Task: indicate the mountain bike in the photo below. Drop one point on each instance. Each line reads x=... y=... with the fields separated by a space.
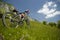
x=14 y=19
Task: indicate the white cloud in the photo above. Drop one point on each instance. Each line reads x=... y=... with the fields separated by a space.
x=49 y=12
x=53 y=14
x=54 y=5
x=50 y=3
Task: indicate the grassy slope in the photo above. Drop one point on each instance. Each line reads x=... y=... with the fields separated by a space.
x=38 y=31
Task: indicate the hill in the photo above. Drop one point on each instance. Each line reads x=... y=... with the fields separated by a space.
x=37 y=31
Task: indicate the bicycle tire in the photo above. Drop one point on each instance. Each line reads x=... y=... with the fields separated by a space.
x=4 y=21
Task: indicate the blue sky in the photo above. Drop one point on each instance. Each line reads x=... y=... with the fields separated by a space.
x=48 y=10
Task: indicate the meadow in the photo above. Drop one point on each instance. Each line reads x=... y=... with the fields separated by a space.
x=36 y=31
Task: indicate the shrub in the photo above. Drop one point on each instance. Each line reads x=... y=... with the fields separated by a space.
x=44 y=22
x=52 y=24
x=58 y=24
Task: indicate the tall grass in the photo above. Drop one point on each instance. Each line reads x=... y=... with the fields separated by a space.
x=36 y=31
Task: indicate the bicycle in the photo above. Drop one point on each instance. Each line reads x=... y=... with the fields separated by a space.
x=14 y=19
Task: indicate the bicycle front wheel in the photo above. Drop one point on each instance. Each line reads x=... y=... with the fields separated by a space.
x=7 y=20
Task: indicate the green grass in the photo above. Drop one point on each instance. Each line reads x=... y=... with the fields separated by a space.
x=37 y=31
